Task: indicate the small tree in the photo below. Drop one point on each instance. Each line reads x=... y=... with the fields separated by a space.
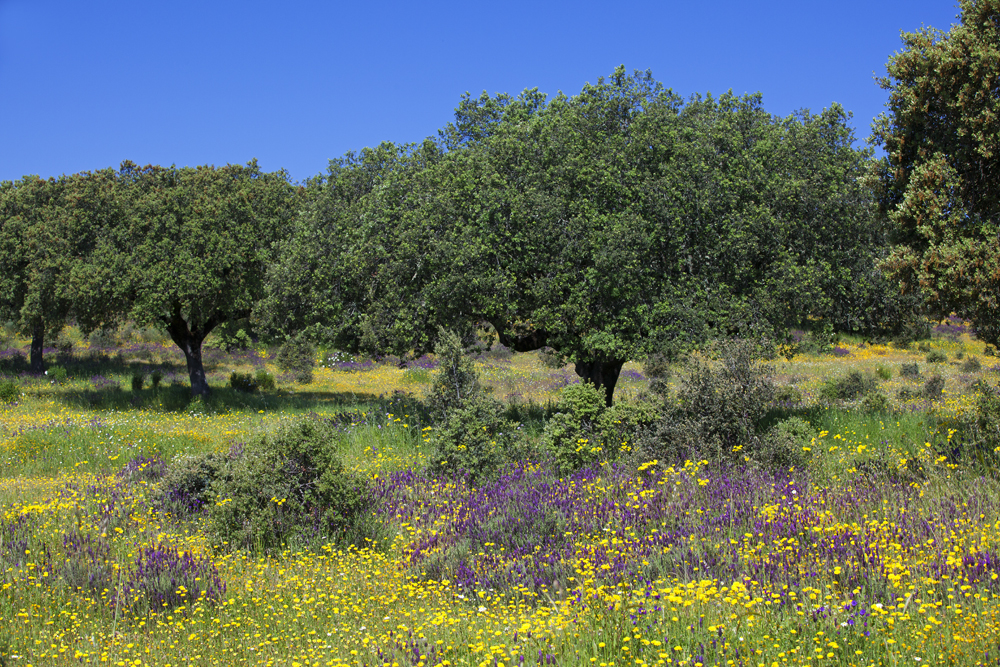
x=456 y=382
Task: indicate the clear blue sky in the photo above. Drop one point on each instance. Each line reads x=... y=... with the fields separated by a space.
x=85 y=85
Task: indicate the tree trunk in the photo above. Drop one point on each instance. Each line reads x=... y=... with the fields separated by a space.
x=190 y=343
x=602 y=374
x=37 y=341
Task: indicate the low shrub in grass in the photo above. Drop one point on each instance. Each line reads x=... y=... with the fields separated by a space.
x=656 y=366
x=10 y=392
x=909 y=371
x=883 y=372
x=876 y=403
x=788 y=395
x=288 y=489
x=456 y=382
x=249 y=383
x=155 y=378
x=783 y=446
x=971 y=365
x=551 y=359
x=989 y=351
x=187 y=484
x=585 y=431
x=138 y=381
x=715 y=412
x=57 y=374
x=936 y=357
x=297 y=357
x=848 y=387
x=265 y=381
x=934 y=387
x=477 y=440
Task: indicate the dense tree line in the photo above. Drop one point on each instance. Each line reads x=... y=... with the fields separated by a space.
x=610 y=225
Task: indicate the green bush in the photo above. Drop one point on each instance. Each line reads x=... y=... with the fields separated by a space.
x=936 y=357
x=585 y=431
x=289 y=488
x=989 y=351
x=716 y=411
x=788 y=394
x=551 y=358
x=848 y=387
x=298 y=357
x=456 y=382
x=656 y=366
x=264 y=380
x=476 y=439
x=907 y=394
x=10 y=392
x=971 y=365
x=243 y=382
x=934 y=387
x=187 y=485
x=138 y=381
x=910 y=371
x=923 y=346
x=876 y=403
x=102 y=338
x=57 y=374
x=155 y=378
x=883 y=372
x=782 y=446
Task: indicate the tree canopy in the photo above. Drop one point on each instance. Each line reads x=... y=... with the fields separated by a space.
x=938 y=179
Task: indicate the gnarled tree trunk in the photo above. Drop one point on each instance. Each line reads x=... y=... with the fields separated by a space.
x=190 y=341
x=602 y=374
x=37 y=343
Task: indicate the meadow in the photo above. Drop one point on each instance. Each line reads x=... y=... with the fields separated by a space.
x=883 y=549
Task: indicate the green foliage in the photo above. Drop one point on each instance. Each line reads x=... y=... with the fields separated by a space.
x=848 y=387
x=264 y=380
x=989 y=351
x=297 y=356
x=551 y=358
x=716 y=412
x=572 y=436
x=10 y=391
x=476 y=439
x=883 y=372
x=876 y=402
x=971 y=365
x=788 y=394
x=456 y=381
x=244 y=382
x=186 y=486
x=155 y=378
x=656 y=366
x=416 y=376
x=289 y=487
x=936 y=357
x=138 y=381
x=909 y=371
x=57 y=374
x=936 y=184
x=781 y=448
x=934 y=387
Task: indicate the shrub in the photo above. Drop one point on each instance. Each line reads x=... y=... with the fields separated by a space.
x=923 y=346
x=960 y=355
x=934 y=387
x=782 y=447
x=64 y=345
x=155 y=378
x=876 y=403
x=186 y=486
x=477 y=440
x=907 y=394
x=298 y=357
x=243 y=382
x=989 y=351
x=883 y=372
x=138 y=380
x=264 y=380
x=788 y=395
x=936 y=357
x=971 y=365
x=848 y=387
x=551 y=359
x=10 y=392
x=656 y=366
x=57 y=374
x=456 y=382
x=910 y=371
x=102 y=339
x=585 y=431
x=716 y=411
x=289 y=488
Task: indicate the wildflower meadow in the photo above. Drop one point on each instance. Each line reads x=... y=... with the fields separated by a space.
x=125 y=537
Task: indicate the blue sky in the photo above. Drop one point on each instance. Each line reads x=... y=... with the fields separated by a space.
x=85 y=85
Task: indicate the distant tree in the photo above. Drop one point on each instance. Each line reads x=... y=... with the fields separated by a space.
x=194 y=249
x=48 y=230
x=940 y=174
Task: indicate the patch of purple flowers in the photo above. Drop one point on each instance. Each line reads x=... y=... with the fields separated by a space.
x=164 y=579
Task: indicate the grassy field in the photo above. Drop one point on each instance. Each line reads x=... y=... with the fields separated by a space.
x=883 y=550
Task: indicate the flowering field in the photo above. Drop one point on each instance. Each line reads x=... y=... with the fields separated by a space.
x=882 y=550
